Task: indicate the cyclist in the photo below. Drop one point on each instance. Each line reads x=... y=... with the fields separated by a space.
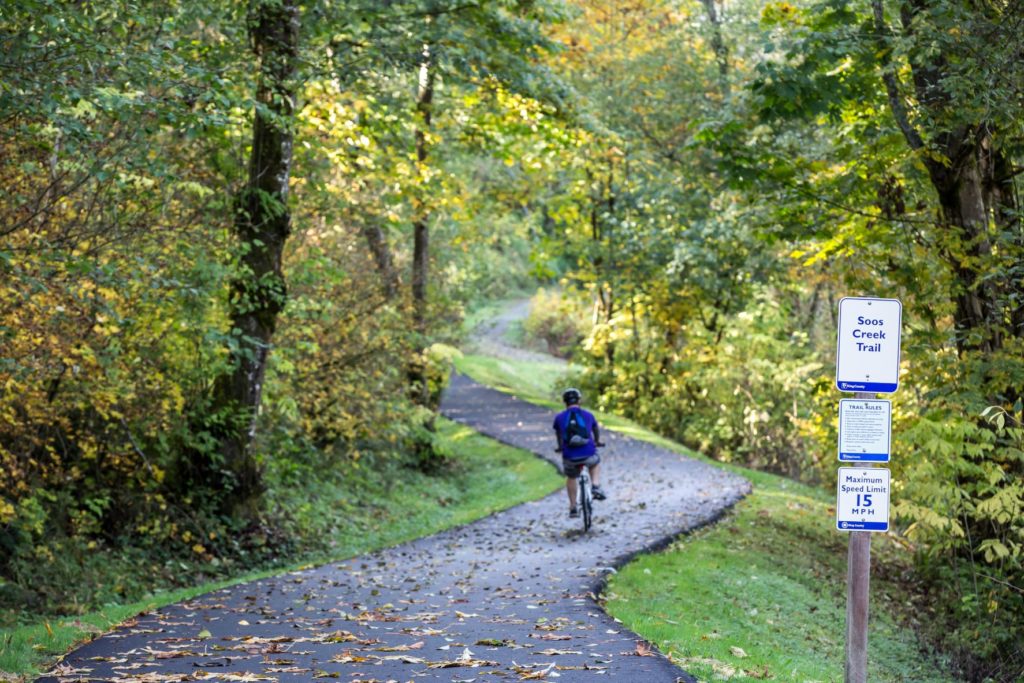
x=578 y=438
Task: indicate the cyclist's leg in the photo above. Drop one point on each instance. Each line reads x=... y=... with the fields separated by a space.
x=595 y=478
x=571 y=470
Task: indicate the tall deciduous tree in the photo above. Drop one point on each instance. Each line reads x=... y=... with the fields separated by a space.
x=469 y=45
x=964 y=150
x=262 y=225
x=419 y=386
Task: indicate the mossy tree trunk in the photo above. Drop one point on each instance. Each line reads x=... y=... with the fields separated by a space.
x=262 y=225
x=419 y=384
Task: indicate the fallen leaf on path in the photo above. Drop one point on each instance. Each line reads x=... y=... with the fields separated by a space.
x=401 y=648
x=526 y=673
x=405 y=659
x=349 y=658
x=494 y=642
x=465 y=659
x=168 y=654
x=66 y=670
x=422 y=631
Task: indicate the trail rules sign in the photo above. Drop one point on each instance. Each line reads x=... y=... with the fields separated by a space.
x=865 y=430
x=862 y=499
x=868 y=353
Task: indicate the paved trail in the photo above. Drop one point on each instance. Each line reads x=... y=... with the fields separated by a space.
x=491 y=337
x=507 y=598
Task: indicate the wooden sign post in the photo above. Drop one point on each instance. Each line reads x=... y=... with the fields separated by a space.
x=858 y=581
x=867 y=362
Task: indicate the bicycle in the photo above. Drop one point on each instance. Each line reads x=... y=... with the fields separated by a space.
x=585 y=494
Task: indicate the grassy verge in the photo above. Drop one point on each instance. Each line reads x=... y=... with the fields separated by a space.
x=761 y=594
x=377 y=512
x=531 y=381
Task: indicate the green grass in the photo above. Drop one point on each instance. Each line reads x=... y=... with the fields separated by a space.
x=769 y=579
x=533 y=382
x=483 y=476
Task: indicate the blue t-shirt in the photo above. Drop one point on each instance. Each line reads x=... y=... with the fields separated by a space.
x=581 y=452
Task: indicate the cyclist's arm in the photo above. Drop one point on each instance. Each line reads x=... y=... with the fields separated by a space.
x=597 y=435
x=558 y=437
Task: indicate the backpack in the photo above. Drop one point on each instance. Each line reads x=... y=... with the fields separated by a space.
x=576 y=433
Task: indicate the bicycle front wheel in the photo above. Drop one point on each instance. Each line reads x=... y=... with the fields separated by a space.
x=586 y=505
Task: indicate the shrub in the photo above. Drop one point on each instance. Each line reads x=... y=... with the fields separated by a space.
x=555 y=325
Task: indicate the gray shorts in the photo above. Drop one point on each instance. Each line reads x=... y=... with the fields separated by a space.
x=572 y=467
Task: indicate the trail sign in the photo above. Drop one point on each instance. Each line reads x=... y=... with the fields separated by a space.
x=868 y=352
x=862 y=499
x=865 y=430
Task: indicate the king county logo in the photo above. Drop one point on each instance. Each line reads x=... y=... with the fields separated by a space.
x=843 y=524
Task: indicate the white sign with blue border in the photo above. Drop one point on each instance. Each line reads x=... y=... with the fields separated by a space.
x=862 y=499
x=868 y=352
x=865 y=430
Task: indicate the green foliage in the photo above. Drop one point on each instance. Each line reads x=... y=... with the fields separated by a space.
x=556 y=324
x=745 y=395
x=122 y=144
x=737 y=192
x=704 y=185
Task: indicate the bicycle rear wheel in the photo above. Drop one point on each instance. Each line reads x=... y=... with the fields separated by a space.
x=586 y=502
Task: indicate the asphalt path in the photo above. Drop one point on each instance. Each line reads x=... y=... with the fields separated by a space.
x=491 y=337
x=510 y=597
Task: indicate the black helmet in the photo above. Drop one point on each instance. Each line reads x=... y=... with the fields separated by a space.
x=571 y=396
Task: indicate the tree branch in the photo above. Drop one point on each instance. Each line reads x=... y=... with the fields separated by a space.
x=896 y=103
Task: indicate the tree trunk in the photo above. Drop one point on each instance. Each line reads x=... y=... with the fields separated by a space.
x=1002 y=192
x=961 y=193
x=969 y=192
x=418 y=382
x=262 y=225
x=378 y=244
x=718 y=44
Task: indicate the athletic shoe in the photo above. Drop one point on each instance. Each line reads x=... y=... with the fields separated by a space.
x=574 y=512
x=598 y=493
